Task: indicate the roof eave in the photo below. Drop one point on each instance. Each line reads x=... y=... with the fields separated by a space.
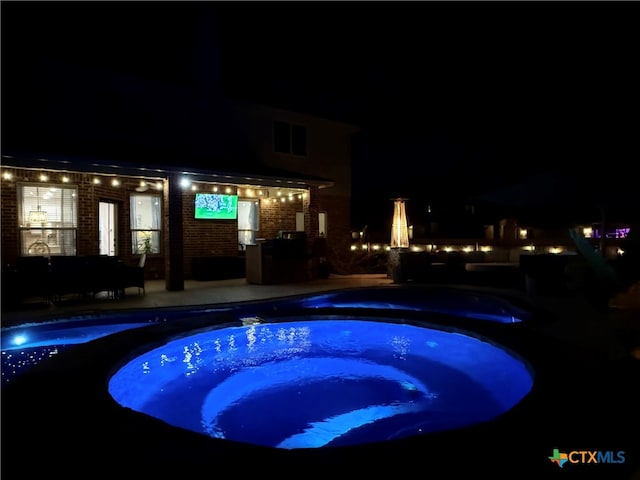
x=106 y=167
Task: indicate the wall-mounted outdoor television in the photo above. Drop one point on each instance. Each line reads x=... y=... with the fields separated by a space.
x=216 y=206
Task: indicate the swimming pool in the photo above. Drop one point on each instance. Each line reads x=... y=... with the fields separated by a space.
x=505 y=417
x=25 y=346
x=323 y=382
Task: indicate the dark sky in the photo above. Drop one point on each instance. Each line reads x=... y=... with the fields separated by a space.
x=488 y=92
x=534 y=71
x=534 y=84
x=556 y=70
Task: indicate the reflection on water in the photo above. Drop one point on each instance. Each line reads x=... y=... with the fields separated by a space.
x=322 y=382
x=25 y=346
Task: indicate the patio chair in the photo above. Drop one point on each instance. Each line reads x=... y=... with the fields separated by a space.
x=133 y=276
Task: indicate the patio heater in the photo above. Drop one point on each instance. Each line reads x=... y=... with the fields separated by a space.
x=399 y=242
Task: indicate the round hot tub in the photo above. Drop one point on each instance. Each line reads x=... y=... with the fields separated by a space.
x=313 y=383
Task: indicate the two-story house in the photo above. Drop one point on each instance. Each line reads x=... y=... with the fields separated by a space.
x=100 y=161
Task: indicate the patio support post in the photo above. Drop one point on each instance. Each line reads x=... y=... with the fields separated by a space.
x=174 y=257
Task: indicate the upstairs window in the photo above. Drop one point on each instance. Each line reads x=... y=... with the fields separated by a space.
x=290 y=139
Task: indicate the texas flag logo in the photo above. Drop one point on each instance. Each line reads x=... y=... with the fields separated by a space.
x=559 y=458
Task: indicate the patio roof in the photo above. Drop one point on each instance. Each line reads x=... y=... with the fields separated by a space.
x=254 y=174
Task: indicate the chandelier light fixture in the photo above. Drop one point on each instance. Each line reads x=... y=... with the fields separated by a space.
x=38 y=216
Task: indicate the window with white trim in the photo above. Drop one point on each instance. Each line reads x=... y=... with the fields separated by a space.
x=248 y=222
x=47 y=219
x=146 y=223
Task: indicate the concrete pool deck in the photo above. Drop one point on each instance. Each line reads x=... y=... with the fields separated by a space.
x=581 y=406
x=195 y=293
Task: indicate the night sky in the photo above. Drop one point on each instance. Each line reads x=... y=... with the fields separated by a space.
x=487 y=91
x=461 y=97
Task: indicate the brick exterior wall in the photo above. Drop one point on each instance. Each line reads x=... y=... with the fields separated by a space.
x=9 y=224
x=205 y=238
x=201 y=238
x=277 y=215
x=329 y=157
x=89 y=197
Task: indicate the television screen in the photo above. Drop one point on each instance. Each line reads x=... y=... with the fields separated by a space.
x=216 y=206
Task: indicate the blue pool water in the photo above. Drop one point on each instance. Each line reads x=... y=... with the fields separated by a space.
x=472 y=305
x=323 y=382
x=25 y=346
